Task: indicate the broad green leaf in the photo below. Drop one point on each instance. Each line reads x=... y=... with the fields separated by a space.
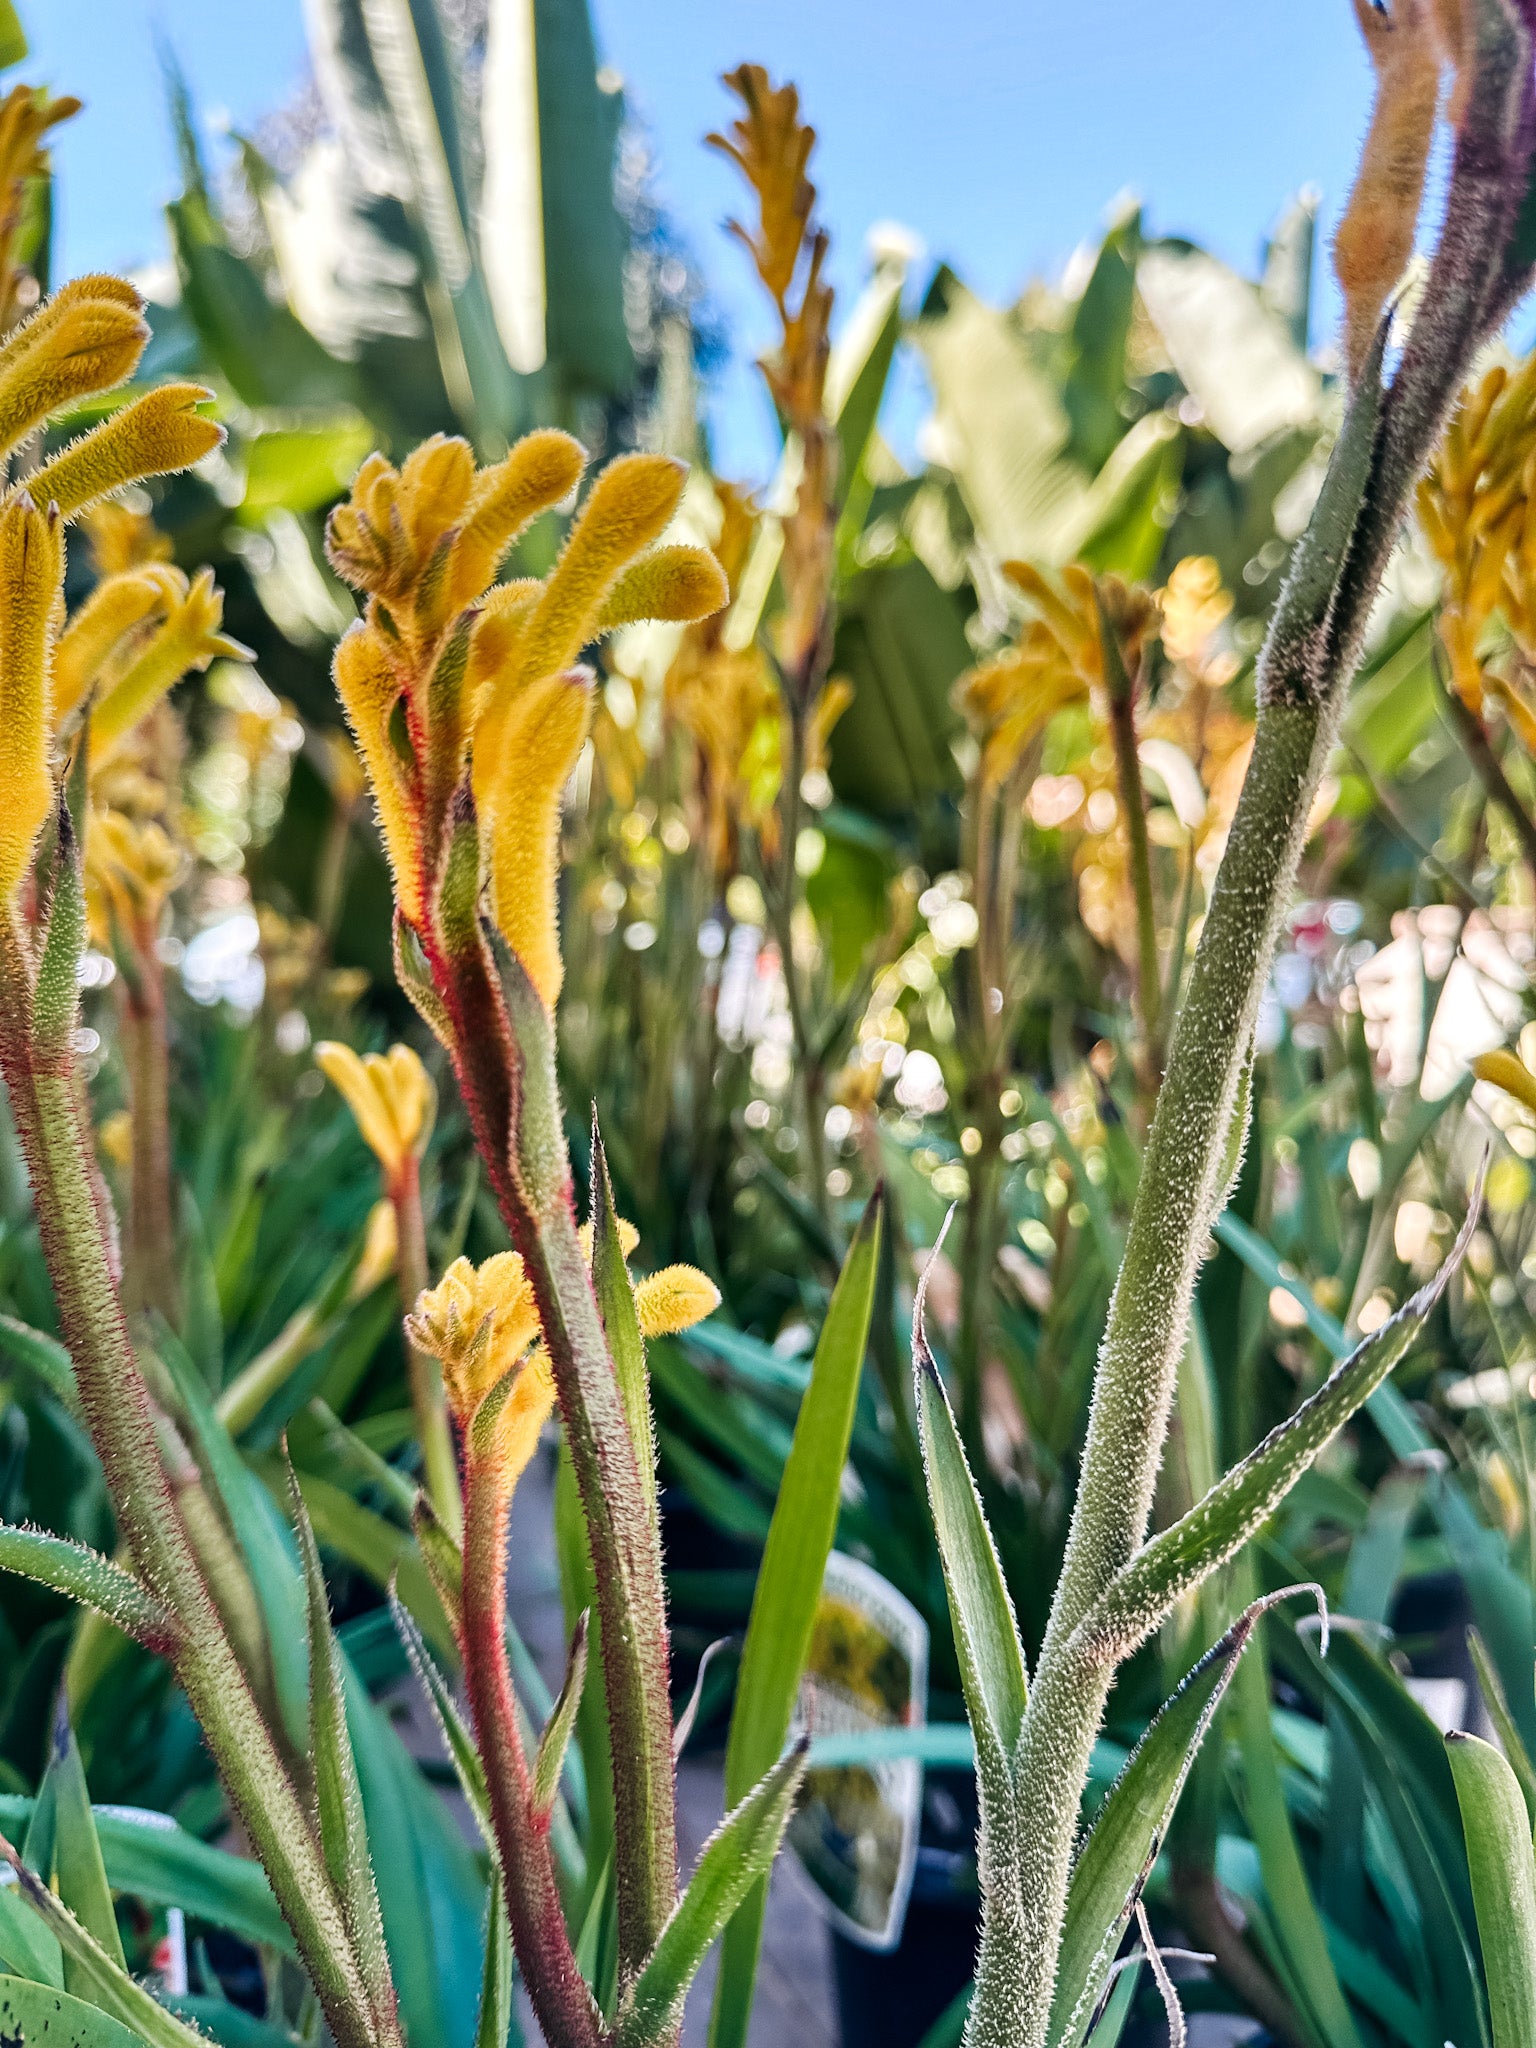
x=1216 y=1528
x=789 y=1585
x=13 y=37
x=1128 y=1833
x=338 y=1797
x=36 y=2016
x=737 y=1855
x=93 y=1970
x=302 y=468
x=1503 y=1866
x=85 y=1575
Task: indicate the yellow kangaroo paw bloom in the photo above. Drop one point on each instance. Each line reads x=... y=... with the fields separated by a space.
x=541 y=470
x=674 y=1299
x=626 y=510
x=189 y=639
x=31 y=569
x=435 y=482
x=532 y=739
x=114 y=608
x=93 y=345
x=369 y=688
x=156 y=434
x=389 y=1094
x=679 y=584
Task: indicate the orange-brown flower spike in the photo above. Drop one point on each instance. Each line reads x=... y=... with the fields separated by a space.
x=31 y=571
x=1375 y=238
x=155 y=435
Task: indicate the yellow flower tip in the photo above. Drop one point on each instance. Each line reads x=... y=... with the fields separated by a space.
x=674 y=1299
x=390 y=1096
x=544 y=468
x=31 y=572
x=77 y=345
x=1504 y=1070
x=525 y=751
x=435 y=483
x=678 y=584
x=478 y=1322
x=157 y=434
x=135 y=863
x=114 y=1139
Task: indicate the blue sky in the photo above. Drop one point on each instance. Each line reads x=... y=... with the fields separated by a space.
x=997 y=130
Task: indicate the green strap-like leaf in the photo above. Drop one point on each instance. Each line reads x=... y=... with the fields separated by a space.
x=736 y=1856
x=991 y=1655
x=1125 y=1839
x=495 y=2021
x=42 y=1356
x=95 y=1581
x=621 y=1317
x=338 y=1796
x=1491 y=1686
x=108 y=1983
x=1214 y=1530
x=550 y=1761
x=1503 y=1867
x=789 y=1584
x=457 y=1740
x=79 y=1875
x=37 y=2016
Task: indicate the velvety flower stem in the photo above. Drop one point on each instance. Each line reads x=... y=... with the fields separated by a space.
x=150 y=1275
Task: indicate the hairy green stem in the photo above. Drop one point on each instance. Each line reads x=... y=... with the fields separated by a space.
x=1133 y=801
x=117 y=1407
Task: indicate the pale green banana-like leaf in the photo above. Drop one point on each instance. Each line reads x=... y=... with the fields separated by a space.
x=1503 y=1867
x=93 y=1970
x=550 y=1760
x=789 y=1584
x=1232 y=352
x=736 y=1856
x=1127 y=1835
x=36 y=2016
x=1213 y=1531
x=85 y=1575
x=338 y=1796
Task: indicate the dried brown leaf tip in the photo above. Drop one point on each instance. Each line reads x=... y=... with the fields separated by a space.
x=1414 y=45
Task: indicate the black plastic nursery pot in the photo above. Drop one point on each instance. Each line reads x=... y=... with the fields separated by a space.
x=891 y=1999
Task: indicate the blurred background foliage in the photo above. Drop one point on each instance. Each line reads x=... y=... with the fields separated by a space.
x=893 y=913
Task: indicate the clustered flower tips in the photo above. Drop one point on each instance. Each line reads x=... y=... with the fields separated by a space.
x=455 y=689
x=27 y=117
x=1475 y=505
x=1412 y=44
x=482 y=1325
x=132 y=865
x=390 y=1095
x=141 y=631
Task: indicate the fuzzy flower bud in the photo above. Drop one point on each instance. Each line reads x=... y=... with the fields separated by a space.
x=390 y=1095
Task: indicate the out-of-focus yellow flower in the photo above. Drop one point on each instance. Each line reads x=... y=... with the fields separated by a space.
x=381 y=1250
x=1194 y=605
x=122 y=536
x=115 y=1138
x=391 y=1096
x=1506 y=1070
x=132 y=867
x=440 y=676
x=27 y=117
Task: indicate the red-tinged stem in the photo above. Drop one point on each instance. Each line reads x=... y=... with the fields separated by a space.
x=119 y=1413
x=434 y=1432
x=562 y=2003
x=508 y=1090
